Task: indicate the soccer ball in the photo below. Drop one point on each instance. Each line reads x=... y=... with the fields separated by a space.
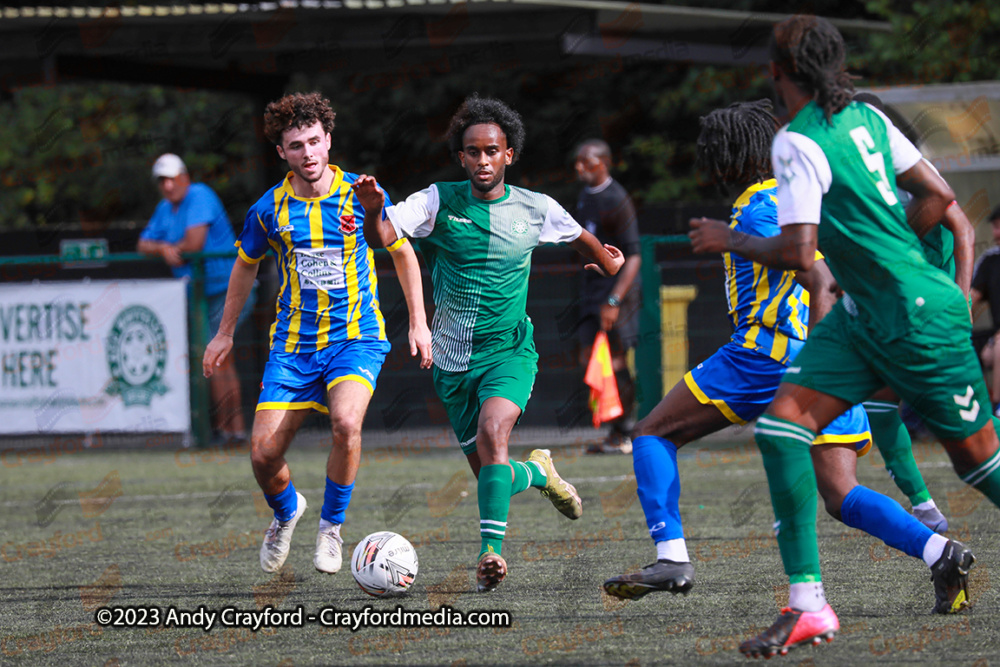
x=384 y=564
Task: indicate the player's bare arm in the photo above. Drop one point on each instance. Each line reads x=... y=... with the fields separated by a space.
x=931 y=196
x=822 y=288
x=961 y=228
x=240 y=284
x=408 y=271
x=606 y=260
x=793 y=250
x=377 y=229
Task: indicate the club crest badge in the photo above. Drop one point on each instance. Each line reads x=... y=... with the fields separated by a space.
x=137 y=356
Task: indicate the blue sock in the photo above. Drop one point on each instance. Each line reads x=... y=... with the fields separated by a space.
x=336 y=498
x=884 y=518
x=655 y=462
x=284 y=503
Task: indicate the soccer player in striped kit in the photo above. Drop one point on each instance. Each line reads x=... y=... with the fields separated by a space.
x=328 y=341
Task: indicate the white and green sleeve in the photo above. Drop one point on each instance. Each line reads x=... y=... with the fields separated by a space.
x=803 y=175
x=414 y=217
x=559 y=226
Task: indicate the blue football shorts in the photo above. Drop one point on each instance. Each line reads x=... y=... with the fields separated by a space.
x=302 y=380
x=741 y=383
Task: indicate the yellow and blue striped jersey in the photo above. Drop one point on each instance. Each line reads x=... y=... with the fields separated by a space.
x=769 y=310
x=329 y=291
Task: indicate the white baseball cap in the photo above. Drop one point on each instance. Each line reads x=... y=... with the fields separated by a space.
x=168 y=165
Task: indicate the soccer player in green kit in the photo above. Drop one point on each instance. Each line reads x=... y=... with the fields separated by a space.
x=902 y=322
x=948 y=246
x=477 y=237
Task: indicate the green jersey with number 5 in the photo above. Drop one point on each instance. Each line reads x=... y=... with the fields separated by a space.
x=842 y=177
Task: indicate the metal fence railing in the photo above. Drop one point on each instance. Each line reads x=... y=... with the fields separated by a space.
x=683 y=320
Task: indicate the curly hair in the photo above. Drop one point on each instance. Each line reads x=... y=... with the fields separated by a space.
x=477 y=110
x=734 y=146
x=297 y=111
x=812 y=54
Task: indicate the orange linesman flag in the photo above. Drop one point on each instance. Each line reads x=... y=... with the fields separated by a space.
x=604 y=400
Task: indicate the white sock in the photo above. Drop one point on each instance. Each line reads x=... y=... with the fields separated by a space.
x=675 y=550
x=807 y=596
x=325 y=525
x=926 y=505
x=934 y=548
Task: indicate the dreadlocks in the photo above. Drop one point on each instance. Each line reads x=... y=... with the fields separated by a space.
x=477 y=110
x=734 y=146
x=811 y=53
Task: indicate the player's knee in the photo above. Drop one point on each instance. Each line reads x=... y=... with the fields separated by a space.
x=261 y=457
x=493 y=431
x=345 y=426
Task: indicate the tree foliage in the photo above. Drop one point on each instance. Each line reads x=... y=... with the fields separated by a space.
x=79 y=152
x=76 y=152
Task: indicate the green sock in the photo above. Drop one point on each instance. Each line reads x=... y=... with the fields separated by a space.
x=494 y=502
x=527 y=474
x=784 y=446
x=893 y=441
x=986 y=477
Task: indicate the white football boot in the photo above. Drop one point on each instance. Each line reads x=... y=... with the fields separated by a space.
x=278 y=538
x=329 y=550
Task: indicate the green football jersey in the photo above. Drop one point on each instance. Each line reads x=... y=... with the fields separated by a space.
x=939 y=249
x=479 y=255
x=842 y=176
x=939 y=243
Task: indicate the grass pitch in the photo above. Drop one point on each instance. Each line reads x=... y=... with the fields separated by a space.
x=183 y=528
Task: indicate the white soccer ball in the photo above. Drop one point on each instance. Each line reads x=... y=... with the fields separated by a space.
x=384 y=564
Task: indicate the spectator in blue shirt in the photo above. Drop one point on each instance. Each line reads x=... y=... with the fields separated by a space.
x=191 y=218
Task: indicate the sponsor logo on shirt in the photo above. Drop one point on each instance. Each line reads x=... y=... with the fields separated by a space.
x=285 y=228
x=348 y=224
x=320 y=269
x=367 y=373
x=457 y=219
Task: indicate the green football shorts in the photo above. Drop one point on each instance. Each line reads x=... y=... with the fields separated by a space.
x=935 y=370
x=510 y=376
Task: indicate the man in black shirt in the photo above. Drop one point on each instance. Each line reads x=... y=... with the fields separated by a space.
x=986 y=287
x=609 y=303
